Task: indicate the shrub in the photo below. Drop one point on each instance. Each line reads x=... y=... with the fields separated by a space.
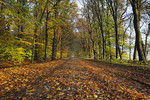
x=16 y=54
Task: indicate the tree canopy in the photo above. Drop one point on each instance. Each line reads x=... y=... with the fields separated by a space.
x=53 y=29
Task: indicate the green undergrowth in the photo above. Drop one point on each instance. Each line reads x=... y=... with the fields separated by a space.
x=125 y=63
x=130 y=63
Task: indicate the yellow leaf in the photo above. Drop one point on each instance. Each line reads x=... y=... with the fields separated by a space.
x=11 y=86
x=2 y=2
x=95 y=96
x=5 y=82
x=49 y=96
x=58 y=88
x=57 y=83
x=24 y=98
x=69 y=88
x=7 y=88
x=26 y=80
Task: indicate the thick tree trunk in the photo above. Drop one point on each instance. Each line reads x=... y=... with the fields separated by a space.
x=120 y=54
x=136 y=22
x=144 y=50
x=135 y=52
x=117 y=41
x=93 y=44
x=54 y=46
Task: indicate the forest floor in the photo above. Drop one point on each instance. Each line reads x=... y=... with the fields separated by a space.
x=74 y=79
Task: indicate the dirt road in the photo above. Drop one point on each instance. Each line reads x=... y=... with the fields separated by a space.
x=74 y=79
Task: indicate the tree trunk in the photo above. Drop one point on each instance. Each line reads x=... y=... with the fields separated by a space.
x=36 y=49
x=46 y=37
x=120 y=54
x=116 y=30
x=135 y=52
x=130 y=45
x=53 y=45
x=109 y=42
x=89 y=49
x=61 y=48
x=33 y=44
x=99 y=45
x=103 y=39
x=144 y=50
x=136 y=22
x=148 y=32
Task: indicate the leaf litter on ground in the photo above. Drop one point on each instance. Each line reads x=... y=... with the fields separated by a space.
x=74 y=79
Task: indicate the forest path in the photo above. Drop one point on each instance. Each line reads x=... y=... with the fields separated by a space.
x=74 y=78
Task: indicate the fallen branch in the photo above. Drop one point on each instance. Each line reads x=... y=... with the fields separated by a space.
x=141 y=82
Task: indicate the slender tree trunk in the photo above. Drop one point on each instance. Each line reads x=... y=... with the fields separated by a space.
x=89 y=49
x=148 y=32
x=36 y=27
x=113 y=5
x=130 y=45
x=103 y=38
x=2 y=18
x=61 y=49
x=33 y=44
x=99 y=45
x=109 y=42
x=46 y=37
x=36 y=49
x=116 y=30
x=99 y=13
x=53 y=45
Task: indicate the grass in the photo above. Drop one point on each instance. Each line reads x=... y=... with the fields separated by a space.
x=125 y=63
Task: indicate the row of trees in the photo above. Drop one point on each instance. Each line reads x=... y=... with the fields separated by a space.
x=43 y=29
x=106 y=29
x=36 y=29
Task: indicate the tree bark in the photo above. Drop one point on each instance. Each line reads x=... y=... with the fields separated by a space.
x=130 y=44
x=53 y=45
x=113 y=6
x=33 y=44
x=135 y=52
x=46 y=37
x=148 y=32
x=136 y=21
x=61 y=48
x=89 y=49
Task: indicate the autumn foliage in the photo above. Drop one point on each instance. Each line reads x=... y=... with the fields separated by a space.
x=74 y=79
